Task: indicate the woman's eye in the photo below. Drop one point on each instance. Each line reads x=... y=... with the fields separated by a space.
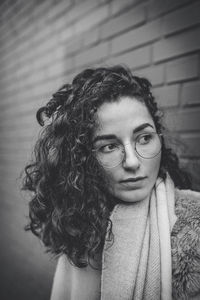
x=145 y=139
x=108 y=148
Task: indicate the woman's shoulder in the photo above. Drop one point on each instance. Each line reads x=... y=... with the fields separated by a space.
x=71 y=282
x=187 y=227
x=186 y=245
x=62 y=279
x=187 y=203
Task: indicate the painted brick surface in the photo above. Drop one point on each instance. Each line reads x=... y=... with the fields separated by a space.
x=92 y=55
x=137 y=37
x=190 y=94
x=181 y=19
x=155 y=74
x=91 y=37
x=167 y=96
x=118 y=6
x=78 y=11
x=184 y=43
x=134 y=59
x=157 y=7
x=44 y=44
x=191 y=145
x=183 y=120
x=92 y=19
x=182 y=69
x=123 y=22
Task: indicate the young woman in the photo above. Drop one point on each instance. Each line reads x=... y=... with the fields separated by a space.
x=109 y=197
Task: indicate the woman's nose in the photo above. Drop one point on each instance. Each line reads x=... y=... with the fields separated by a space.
x=131 y=160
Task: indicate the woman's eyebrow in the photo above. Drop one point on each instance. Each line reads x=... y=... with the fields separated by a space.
x=104 y=137
x=113 y=136
x=142 y=126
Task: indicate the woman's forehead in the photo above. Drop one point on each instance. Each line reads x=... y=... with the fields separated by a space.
x=125 y=114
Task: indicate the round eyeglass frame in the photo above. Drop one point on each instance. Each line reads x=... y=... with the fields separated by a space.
x=123 y=156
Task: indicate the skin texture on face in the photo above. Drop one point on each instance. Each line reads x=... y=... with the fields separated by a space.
x=123 y=120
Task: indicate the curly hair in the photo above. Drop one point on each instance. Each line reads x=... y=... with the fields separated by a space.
x=70 y=205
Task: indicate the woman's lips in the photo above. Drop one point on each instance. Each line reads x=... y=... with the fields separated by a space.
x=132 y=179
x=132 y=182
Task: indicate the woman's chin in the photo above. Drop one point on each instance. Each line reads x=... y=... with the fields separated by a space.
x=132 y=196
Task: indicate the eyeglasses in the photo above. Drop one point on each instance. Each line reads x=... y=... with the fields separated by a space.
x=147 y=145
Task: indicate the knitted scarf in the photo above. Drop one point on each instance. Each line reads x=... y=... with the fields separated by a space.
x=137 y=266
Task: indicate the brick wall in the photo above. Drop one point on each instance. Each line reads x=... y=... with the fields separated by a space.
x=44 y=44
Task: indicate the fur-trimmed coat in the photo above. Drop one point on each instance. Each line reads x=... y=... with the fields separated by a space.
x=185 y=242
x=71 y=283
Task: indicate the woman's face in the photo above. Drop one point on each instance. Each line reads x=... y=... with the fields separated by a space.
x=123 y=123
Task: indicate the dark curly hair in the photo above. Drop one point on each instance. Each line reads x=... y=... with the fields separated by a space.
x=71 y=205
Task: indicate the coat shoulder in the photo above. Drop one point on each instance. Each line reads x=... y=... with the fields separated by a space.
x=186 y=245
x=187 y=202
